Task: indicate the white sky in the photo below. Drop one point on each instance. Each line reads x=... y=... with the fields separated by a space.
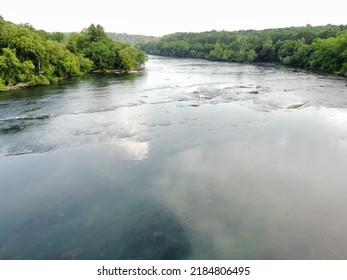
x=153 y=17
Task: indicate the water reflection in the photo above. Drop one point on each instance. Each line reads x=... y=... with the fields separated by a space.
x=263 y=198
x=129 y=169
x=104 y=80
x=158 y=235
x=134 y=149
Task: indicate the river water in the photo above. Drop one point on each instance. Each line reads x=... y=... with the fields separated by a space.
x=189 y=159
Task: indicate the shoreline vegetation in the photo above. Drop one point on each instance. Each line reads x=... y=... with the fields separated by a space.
x=30 y=57
x=118 y=71
x=108 y=71
x=318 y=48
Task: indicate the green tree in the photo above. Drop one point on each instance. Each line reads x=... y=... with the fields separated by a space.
x=10 y=66
x=101 y=55
x=330 y=54
x=251 y=56
x=27 y=56
x=12 y=71
x=106 y=54
x=297 y=46
x=96 y=33
x=217 y=53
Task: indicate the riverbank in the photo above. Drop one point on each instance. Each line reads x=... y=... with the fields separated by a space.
x=19 y=86
x=4 y=88
x=118 y=72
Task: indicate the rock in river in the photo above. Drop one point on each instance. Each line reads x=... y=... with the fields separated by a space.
x=296 y=105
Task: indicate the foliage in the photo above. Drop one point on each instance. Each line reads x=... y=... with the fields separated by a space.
x=321 y=47
x=36 y=57
x=330 y=54
x=130 y=39
x=94 y=44
x=28 y=57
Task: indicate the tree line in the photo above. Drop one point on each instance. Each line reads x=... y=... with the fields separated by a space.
x=131 y=39
x=320 y=47
x=35 y=57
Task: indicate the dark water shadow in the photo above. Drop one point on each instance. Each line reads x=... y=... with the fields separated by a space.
x=155 y=235
x=104 y=80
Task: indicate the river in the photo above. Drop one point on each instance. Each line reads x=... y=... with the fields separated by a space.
x=189 y=159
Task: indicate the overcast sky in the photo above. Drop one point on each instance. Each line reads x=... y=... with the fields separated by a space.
x=153 y=17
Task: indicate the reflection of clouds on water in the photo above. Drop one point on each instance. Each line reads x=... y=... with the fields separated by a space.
x=134 y=149
x=338 y=120
x=261 y=197
x=220 y=204
x=130 y=132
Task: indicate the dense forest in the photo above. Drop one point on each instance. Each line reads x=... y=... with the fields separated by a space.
x=320 y=47
x=130 y=39
x=36 y=57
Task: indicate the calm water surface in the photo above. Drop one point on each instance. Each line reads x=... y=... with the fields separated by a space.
x=188 y=160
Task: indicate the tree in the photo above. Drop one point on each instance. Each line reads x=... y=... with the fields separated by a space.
x=64 y=63
x=217 y=53
x=287 y=50
x=27 y=56
x=296 y=46
x=106 y=54
x=251 y=56
x=330 y=54
x=9 y=66
x=96 y=33
x=12 y=71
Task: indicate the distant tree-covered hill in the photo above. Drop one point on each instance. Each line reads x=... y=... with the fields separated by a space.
x=36 y=57
x=130 y=38
x=320 y=47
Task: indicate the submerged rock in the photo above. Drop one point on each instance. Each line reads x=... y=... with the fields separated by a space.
x=154 y=236
x=197 y=91
x=296 y=105
x=231 y=86
x=201 y=96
